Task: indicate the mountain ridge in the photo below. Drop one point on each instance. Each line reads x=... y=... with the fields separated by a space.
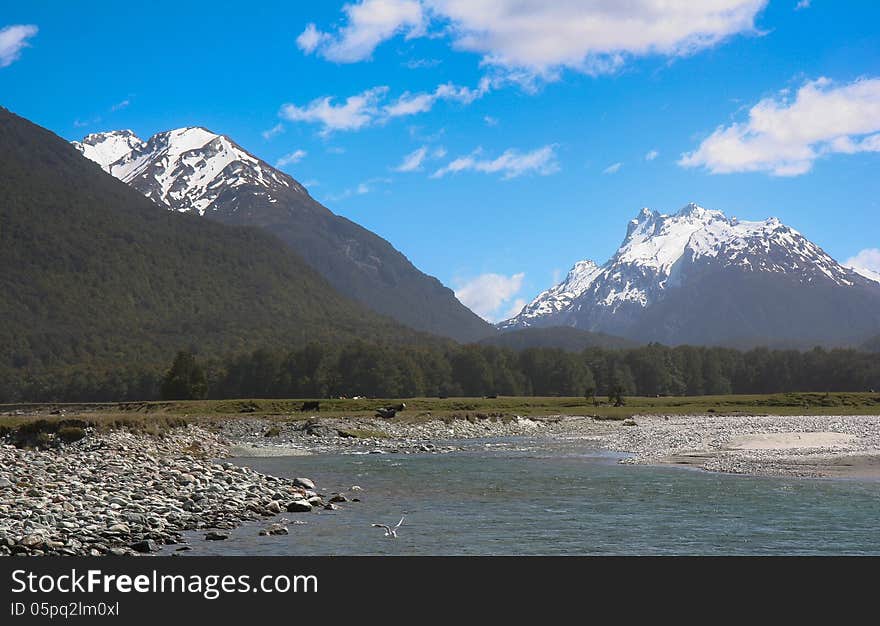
x=195 y=170
x=96 y=274
x=647 y=290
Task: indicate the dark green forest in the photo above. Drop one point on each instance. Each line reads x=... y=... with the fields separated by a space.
x=93 y=273
x=399 y=371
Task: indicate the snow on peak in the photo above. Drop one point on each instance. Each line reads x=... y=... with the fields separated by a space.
x=658 y=240
x=107 y=148
x=658 y=245
x=560 y=297
x=184 y=169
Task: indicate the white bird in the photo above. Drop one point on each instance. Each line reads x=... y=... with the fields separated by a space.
x=391 y=532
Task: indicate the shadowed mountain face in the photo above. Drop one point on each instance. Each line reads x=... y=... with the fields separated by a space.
x=702 y=278
x=196 y=171
x=94 y=273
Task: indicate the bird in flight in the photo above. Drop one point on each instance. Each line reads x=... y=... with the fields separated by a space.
x=391 y=532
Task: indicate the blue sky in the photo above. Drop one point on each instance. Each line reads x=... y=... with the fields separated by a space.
x=494 y=143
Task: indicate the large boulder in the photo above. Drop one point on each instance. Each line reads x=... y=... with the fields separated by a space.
x=298 y=506
x=305 y=483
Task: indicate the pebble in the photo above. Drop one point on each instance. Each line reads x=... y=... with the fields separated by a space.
x=120 y=493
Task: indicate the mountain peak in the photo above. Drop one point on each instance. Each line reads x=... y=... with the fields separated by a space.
x=662 y=251
x=196 y=170
x=692 y=208
x=187 y=168
x=108 y=147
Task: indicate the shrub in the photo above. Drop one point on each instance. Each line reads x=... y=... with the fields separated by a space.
x=69 y=434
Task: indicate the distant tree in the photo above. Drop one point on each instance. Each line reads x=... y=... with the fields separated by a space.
x=590 y=395
x=616 y=396
x=185 y=380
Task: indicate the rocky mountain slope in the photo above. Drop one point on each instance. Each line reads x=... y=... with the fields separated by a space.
x=697 y=276
x=194 y=170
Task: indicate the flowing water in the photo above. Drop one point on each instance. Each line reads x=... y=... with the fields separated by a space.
x=556 y=497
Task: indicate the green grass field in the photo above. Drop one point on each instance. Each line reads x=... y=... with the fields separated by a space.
x=164 y=414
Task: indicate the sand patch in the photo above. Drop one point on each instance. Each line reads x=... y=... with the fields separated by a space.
x=790 y=441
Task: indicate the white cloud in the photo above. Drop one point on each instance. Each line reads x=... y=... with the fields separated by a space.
x=785 y=137
x=490 y=121
x=289 y=159
x=120 y=105
x=369 y=107
x=530 y=38
x=652 y=154
x=272 y=132
x=613 y=168
x=411 y=104
x=866 y=263
x=515 y=308
x=309 y=40
x=802 y=4
x=12 y=40
x=361 y=189
x=357 y=111
x=487 y=294
x=511 y=163
x=370 y=22
x=418 y=64
x=413 y=161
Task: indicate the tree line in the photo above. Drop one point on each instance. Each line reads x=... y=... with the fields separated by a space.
x=378 y=370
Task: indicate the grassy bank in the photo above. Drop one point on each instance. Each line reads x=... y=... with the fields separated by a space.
x=161 y=415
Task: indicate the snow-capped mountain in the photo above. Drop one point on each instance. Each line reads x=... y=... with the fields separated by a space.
x=186 y=169
x=666 y=259
x=198 y=171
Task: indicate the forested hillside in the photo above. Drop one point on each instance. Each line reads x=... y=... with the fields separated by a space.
x=96 y=279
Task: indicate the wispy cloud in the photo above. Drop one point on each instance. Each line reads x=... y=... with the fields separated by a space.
x=12 y=40
x=372 y=107
x=652 y=154
x=785 y=136
x=410 y=104
x=490 y=121
x=413 y=161
x=363 y=188
x=802 y=4
x=613 y=168
x=272 y=132
x=512 y=163
x=291 y=158
x=418 y=64
x=120 y=105
x=487 y=294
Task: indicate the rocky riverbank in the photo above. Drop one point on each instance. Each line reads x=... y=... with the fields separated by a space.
x=814 y=446
x=264 y=437
x=802 y=446
x=120 y=493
